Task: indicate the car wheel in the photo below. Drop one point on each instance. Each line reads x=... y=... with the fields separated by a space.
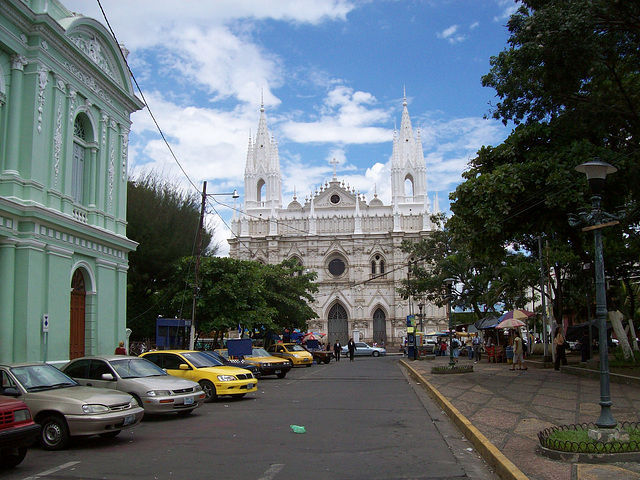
x=55 y=433
x=290 y=363
x=281 y=374
x=326 y=361
x=375 y=353
x=209 y=390
x=11 y=460
x=111 y=434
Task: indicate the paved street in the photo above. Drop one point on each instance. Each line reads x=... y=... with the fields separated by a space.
x=510 y=407
x=363 y=420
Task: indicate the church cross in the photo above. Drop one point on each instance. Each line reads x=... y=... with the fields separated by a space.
x=334 y=162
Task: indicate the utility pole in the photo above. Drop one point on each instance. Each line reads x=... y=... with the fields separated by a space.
x=196 y=287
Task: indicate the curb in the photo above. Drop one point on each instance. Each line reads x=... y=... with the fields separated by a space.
x=503 y=467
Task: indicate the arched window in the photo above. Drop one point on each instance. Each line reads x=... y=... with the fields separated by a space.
x=260 y=192
x=77 y=169
x=377 y=267
x=408 y=187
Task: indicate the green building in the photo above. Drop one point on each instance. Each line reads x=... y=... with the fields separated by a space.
x=65 y=104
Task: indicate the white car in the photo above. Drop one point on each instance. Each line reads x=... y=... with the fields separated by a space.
x=363 y=349
x=154 y=389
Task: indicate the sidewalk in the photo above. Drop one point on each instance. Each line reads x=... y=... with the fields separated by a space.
x=509 y=408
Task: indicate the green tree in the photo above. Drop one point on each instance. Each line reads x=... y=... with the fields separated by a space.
x=569 y=81
x=233 y=293
x=164 y=220
x=482 y=282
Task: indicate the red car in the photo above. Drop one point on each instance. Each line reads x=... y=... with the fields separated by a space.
x=17 y=431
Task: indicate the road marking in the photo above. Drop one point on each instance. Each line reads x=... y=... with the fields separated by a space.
x=272 y=471
x=52 y=470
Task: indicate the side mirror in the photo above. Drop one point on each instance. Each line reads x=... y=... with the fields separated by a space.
x=184 y=366
x=108 y=377
x=11 y=392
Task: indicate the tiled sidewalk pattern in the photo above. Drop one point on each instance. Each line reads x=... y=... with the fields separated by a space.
x=511 y=407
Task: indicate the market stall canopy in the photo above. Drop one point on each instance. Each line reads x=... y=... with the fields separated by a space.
x=511 y=323
x=486 y=323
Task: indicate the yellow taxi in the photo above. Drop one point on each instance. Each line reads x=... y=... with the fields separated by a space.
x=293 y=352
x=267 y=363
x=214 y=377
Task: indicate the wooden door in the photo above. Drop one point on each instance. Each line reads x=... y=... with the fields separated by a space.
x=77 y=327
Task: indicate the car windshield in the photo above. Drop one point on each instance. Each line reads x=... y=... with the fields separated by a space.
x=136 y=368
x=215 y=355
x=259 y=352
x=295 y=348
x=202 y=360
x=35 y=378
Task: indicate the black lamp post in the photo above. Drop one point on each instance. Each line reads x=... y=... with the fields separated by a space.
x=449 y=283
x=597 y=171
x=420 y=307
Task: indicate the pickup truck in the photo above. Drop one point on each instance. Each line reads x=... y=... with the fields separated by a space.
x=320 y=355
x=17 y=431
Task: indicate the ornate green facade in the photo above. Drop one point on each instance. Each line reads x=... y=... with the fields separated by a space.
x=65 y=104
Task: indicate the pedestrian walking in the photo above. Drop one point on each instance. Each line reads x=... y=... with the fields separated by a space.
x=476 y=344
x=518 y=353
x=352 y=349
x=443 y=348
x=469 y=344
x=337 y=350
x=559 y=343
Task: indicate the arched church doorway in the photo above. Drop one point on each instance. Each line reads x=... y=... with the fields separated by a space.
x=338 y=325
x=379 y=326
x=77 y=321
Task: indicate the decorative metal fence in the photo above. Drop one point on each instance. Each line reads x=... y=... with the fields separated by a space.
x=592 y=446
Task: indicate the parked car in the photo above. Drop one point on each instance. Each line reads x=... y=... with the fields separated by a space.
x=235 y=363
x=17 y=431
x=215 y=378
x=363 y=349
x=294 y=353
x=64 y=408
x=154 y=389
x=267 y=363
x=430 y=346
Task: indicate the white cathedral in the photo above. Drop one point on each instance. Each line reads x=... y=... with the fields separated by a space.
x=354 y=246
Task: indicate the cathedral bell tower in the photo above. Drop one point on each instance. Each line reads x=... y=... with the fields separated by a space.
x=262 y=180
x=408 y=169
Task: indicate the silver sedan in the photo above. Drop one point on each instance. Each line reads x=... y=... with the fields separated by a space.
x=154 y=389
x=363 y=349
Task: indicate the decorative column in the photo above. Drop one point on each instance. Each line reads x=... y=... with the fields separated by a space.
x=59 y=150
x=18 y=62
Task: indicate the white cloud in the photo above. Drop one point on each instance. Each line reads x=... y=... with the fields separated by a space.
x=451 y=34
x=345 y=117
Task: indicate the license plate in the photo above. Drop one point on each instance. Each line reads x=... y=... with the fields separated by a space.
x=188 y=401
x=249 y=385
x=277 y=371
x=129 y=419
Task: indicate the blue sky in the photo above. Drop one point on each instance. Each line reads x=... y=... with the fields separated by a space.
x=331 y=74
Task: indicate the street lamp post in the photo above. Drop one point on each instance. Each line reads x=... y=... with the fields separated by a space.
x=597 y=171
x=420 y=307
x=449 y=283
x=196 y=286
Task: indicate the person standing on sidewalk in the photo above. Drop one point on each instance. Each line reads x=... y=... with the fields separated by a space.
x=476 y=343
x=518 y=353
x=337 y=349
x=352 y=349
x=558 y=342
